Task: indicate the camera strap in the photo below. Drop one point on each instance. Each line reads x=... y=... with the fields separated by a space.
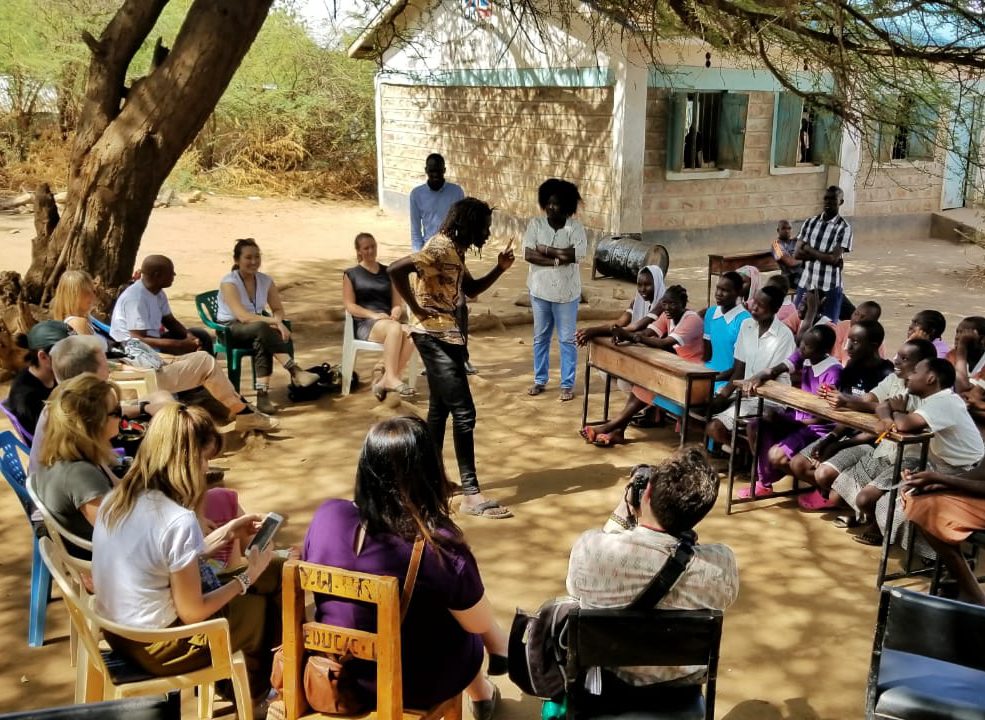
x=672 y=570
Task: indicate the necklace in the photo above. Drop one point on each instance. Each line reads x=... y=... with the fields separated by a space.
x=253 y=298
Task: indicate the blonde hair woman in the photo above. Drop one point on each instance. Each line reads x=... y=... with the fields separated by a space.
x=76 y=455
x=376 y=312
x=75 y=297
x=146 y=549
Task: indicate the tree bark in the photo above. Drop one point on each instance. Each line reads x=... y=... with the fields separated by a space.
x=128 y=140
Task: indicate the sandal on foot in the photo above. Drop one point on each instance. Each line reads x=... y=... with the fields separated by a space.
x=608 y=440
x=567 y=394
x=379 y=392
x=645 y=420
x=405 y=390
x=589 y=433
x=815 y=502
x=536 y=389
x=869 y=537
x=761 y=491
x=846 y=521
x=481 y=509
x=484 y=709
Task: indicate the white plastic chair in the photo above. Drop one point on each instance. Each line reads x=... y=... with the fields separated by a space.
x=140 y=381
x=351 y=346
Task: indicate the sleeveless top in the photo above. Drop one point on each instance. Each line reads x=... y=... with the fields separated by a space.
x=253 y=303
x=373 y=290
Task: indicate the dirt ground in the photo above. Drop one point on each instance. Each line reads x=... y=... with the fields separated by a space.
x=797 y=641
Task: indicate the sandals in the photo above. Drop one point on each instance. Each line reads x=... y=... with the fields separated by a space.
x=405 y=390
x=871 y=537
x=608 y=440
x=762 y=491
x=536 y=389
x=379 y=391
x=481 y=509
x=815 y=502
x=589 y=433
x=567 y=394
x=484 y=709
x=846 y=521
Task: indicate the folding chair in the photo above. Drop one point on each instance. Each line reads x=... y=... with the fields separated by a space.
x=351 y=346
x=381 y=647
x=110 y=676
x=27 y=437
x=13 y=470
x=623 y=638
x=927 y=659
x=207 y=304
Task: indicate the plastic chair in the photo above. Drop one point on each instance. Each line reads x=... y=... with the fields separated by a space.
x=351 y=346
x=13 y=470
x=110 y=676
x=624 y=638
x=100 y=326
x=927 y=660
x=207 y=304
x=27 y=437
x=381 y=647
x=140 y=381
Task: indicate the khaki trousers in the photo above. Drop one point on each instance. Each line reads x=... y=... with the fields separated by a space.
x=199 y=369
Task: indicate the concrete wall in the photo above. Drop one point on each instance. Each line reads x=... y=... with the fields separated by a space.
x=897 y=188
x=500 y=144
x=749 y=196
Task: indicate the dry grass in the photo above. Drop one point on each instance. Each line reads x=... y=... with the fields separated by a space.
x=47 y=161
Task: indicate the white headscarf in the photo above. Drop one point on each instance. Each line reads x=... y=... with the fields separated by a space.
x=755 y=279
x=642 y=306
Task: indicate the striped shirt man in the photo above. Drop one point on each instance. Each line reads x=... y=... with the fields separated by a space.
x=824 y=235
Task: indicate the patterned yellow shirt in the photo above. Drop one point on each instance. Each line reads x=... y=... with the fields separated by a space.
x=440 y=271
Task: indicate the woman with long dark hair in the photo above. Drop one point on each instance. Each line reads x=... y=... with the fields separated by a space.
x=402 y=495
x=244 y=293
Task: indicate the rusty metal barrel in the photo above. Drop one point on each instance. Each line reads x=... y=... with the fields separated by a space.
x=623 y=256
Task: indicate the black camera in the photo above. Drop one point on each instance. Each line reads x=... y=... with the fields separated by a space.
x=639 y=478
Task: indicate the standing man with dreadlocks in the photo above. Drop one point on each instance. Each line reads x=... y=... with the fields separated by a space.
x=442 y=284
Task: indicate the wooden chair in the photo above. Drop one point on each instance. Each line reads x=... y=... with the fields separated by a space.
x=623 y=638
x=381 y=647
x=110 y=676
x=207 y=304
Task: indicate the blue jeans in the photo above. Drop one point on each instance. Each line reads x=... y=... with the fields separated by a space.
x=547 y=316
x=830 y=306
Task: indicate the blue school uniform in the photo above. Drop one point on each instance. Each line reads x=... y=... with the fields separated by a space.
x=722 y=331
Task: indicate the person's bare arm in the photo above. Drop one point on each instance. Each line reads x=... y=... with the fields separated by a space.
x=189 y=343
x=968 y=483
x=546 y=255
x=396 y=305
x=399 y=272
x=479 y=620
x=276 y=303
x=80 y=325
x=583 y=335
x=473 y=287
x=186 y=588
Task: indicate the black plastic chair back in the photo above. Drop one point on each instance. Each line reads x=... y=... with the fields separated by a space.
x=623 y=638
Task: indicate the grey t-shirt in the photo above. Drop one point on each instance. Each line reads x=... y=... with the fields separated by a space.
x=66 y=486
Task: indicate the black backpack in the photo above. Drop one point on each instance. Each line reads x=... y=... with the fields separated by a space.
x=330 y=381
x=538 y=645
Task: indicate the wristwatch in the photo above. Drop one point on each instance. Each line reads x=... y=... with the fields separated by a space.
x=142 y=407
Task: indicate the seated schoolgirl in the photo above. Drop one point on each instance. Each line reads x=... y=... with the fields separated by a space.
x=787 y=314
x=649 y=291
x=784 y=433
x=930 y=325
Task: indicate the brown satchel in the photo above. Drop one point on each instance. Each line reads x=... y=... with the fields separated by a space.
x=328 y=688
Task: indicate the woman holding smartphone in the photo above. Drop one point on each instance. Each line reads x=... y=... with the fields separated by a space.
x=148 y=548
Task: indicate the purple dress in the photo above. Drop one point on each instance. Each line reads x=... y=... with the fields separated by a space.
x=439 y=658
x=789 y=433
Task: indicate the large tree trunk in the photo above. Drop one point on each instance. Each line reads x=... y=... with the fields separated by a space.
x=128 y=140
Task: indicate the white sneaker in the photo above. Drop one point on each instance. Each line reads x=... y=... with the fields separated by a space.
x=256 y=421
x=303 y=378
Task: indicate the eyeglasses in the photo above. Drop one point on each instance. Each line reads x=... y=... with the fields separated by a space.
x=116 y=412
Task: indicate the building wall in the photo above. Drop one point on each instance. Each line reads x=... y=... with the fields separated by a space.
x=500 y=143
x=898 y=188
x=748 y=196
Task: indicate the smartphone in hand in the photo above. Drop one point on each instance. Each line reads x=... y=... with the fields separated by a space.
x=265 y=535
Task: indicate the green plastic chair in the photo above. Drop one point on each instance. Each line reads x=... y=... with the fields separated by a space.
x=207 y=304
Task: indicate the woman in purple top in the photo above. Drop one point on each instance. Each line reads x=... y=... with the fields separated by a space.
x=785 y=433
x=402 y=493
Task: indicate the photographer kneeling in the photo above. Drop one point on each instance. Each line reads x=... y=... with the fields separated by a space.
x=608 y=568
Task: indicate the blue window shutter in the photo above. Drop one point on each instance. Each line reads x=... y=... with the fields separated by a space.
x=924 y=124
x=732 y=131
x=676 y=119
x=786 y=129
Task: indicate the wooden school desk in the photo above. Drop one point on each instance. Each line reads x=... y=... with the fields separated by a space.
x=686 y=383
x=719 y=264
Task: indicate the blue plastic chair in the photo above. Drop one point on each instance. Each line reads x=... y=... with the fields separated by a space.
x=207 y=304
x=102 y=327
x=13 y=470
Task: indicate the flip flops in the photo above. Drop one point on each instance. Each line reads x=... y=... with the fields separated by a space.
x=761 y=491
x=869 y=537
x=379 y=391
x=567 y=394
x=589 y=433
x=405 y=390
x=480 y=510
x=608 y=440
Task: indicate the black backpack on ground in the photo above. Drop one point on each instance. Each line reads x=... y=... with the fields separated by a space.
x=330 y=381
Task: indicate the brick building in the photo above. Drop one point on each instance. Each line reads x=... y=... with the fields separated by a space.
x=691 y=149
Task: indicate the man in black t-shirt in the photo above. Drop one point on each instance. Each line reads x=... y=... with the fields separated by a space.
x=863 y=371
x=31 y=386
